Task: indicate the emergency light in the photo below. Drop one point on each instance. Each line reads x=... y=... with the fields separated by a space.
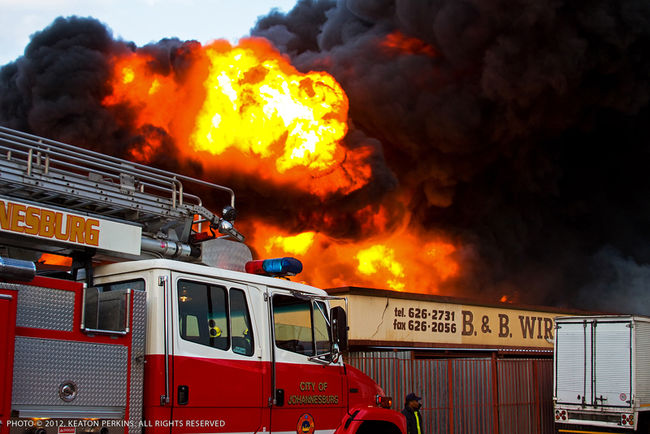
x=384 y=401
x=286 y=266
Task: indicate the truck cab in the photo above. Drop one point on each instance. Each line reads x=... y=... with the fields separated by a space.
x=243 y=352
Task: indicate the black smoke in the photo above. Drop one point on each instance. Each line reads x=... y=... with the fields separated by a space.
x=526 y=136
x=522 y=133
x=56 y=89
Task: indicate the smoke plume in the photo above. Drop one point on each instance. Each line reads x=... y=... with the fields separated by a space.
x=518 y=130
x=524 y=134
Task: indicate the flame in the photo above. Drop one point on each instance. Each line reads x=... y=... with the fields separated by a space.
x=148 y=150
x=246 y=110
x=261 y=105
x=510 y=298
x=441 y=254
x=50 y=259
x=379 y=257
x=295 y=245
x=151 y=95
x=401 y=43
x=397 y=261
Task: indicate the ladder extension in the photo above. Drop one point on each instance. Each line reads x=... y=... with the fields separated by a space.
x=45 y=171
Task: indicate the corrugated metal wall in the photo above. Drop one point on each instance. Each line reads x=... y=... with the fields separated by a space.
x=479 y=395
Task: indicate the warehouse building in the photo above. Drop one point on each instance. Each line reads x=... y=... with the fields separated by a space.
x=480 y=368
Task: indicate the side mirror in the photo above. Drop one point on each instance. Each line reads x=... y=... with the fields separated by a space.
x=335 y=354
x=339 y=328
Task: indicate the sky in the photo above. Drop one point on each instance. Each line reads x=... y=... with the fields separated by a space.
x=140 y=21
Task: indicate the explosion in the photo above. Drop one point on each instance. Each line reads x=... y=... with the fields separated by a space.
x=259 y=104
x=245 y=108
x=251 y=111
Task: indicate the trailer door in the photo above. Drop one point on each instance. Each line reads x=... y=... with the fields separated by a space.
x=612 y=364
x=573 y=362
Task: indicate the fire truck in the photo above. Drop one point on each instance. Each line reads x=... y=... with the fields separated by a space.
x=162 y=322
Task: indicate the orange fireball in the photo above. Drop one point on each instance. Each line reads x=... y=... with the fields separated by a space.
x=258 y=103
x=246 y=110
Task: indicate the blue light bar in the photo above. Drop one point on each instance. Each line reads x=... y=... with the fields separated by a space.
x=286 y=266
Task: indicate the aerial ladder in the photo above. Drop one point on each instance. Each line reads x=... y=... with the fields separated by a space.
x=150 y=207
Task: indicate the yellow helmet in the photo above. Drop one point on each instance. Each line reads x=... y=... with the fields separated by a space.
x=215 y=331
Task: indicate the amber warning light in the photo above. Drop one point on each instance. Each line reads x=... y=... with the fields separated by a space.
x=384 y=401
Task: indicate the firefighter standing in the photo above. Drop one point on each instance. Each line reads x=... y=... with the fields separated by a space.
x=412 y=413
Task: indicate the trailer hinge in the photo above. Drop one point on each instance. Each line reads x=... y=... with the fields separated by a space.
x=266 y=297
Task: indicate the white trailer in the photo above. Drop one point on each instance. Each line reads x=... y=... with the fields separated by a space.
x=601 y=373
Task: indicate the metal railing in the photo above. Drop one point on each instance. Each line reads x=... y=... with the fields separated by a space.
x=51 y=172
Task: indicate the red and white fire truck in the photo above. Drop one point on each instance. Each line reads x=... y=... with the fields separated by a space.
x=163 y=322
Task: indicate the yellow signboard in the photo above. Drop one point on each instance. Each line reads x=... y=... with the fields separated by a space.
x=417 y=321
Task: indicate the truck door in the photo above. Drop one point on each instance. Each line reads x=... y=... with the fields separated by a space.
x=612 y=356
x=309 y=388
x=217 y=368
x=573 y=362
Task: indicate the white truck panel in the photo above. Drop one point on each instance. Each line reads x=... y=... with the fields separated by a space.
x=573 y=363
x=642 y=363
x=612 y=352
x=602 y=371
